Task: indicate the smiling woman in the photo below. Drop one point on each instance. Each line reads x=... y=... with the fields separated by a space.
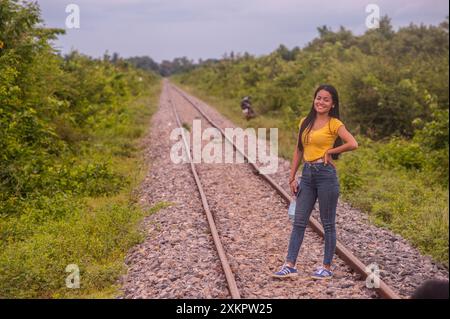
x=317 y=134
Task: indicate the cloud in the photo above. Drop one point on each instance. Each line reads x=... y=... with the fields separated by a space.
x=165 y=29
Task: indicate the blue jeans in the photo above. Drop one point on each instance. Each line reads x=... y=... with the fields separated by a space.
x=318 y=181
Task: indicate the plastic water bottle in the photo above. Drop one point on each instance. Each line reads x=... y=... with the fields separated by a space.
x=291 y=211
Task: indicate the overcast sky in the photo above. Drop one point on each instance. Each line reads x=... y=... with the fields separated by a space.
x=164 y=29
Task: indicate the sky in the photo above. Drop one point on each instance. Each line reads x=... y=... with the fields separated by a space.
x=165 y=29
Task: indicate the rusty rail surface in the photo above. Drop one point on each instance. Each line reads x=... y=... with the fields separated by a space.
x=234 y=291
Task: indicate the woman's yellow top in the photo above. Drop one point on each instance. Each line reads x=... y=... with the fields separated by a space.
x=317 y=142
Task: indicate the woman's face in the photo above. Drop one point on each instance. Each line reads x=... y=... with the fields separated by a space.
x=323 y=102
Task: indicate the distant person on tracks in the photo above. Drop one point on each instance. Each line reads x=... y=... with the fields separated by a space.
x=319 y=141
x=246 y=106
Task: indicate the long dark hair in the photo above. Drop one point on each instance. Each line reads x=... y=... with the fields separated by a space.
x=311 y=117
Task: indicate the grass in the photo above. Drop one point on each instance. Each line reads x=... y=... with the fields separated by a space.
x=409 y=202
x=93 y=232
x=403 y=200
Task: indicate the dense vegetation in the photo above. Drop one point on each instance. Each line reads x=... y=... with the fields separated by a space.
x=394 y=96
x=165 y=68
x=69 y=160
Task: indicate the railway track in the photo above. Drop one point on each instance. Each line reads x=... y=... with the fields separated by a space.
x=382 y=289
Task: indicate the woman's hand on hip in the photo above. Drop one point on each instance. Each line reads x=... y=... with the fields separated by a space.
x=328 y=159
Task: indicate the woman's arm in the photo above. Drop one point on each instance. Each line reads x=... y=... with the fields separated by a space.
x=296 y=160
x=295 y=164
x=350 y=144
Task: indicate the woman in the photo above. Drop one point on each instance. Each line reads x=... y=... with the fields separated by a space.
x=319 y=142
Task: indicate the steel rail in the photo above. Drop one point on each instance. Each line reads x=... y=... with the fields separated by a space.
x=234 y=291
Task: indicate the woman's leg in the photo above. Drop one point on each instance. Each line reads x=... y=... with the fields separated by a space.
x=328 y=194
x=304 y=206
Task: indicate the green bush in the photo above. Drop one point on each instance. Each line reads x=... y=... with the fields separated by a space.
x=409 y=201
x=69 y=161
x=402 y=153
